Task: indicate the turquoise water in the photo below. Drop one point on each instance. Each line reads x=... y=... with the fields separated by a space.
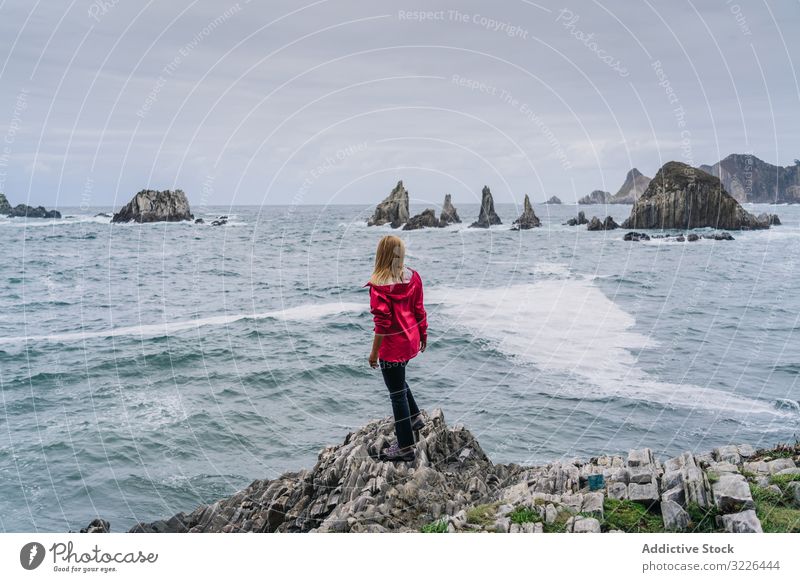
x=148 y=368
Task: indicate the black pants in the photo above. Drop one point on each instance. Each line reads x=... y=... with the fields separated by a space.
x=403 y=405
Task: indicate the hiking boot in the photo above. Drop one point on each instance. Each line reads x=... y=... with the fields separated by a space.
x=418 y=423
x=395 y=453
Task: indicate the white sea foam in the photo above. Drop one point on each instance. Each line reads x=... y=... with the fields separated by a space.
x=569 y=326
x=307 y=312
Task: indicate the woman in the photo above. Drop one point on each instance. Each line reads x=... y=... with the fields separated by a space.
x=401 y=332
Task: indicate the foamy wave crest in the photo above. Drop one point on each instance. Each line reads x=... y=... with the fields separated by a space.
x=308 y=312
x=569 y=326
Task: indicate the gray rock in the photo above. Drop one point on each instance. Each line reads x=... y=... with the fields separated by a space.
x=789 y=471
x=778 y=465
x=728 y=453
x=581 y=524
x=577 y=221
x=593 y=503
x=732 y=493
x=635 y=184
x=645 y=494
x=746 y=451
x=617 y=490
x=528 y=218
x=682 y=197
x=775 y=489
x=742 y=522
x=425 y=219
x=449 y=213
x=606 y=224
x=155 y=206
x=756 y=467
x=502 y=525
x=676 y=495
x=723 y=467
x=393 y=209
x=550 y=513
x=97 y=526
x=640 y=457
x=487 y=216
x=636 y=236
x=642 y=475
x=25 y=211
x=553 y=200
x=674 y=516
x=794 y=490
x=596 y=197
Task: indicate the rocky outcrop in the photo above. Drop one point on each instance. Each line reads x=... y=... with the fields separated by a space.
x=634 y=186
x=528 y=218
x=606 y=224
x=553 y=200
x=578 y=220
x=682 y=197
x=449 y=213
x=155 y=206
x=425 y=219
x=770 y=219
x=749 y=179
x=25 y=211
x=453 y=486
x=636 y=236
x=487 y=216
x=596 y=197
x=393 y=210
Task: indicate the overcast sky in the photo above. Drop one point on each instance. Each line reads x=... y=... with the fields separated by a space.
x=333 y=101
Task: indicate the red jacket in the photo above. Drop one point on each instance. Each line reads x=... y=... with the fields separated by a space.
x=400 y=317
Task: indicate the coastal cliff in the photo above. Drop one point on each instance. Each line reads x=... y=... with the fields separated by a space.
x=749 y=179
x=453 y=486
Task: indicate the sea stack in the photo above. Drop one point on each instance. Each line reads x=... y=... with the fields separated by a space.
x=553 y=200
x=528 y=218
x=393 y=210
x=449 y=213
x=425 y=219
x=155 y=206
x=597 y=224
x=5 y=207
x=487 y=216
x=634 y=186
x=596 y=197
x=683 y=197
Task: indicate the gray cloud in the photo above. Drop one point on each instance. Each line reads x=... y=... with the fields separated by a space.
x=530 y=98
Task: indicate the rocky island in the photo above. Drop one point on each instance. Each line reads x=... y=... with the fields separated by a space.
x=487 y=216
x=155 y=206
x=596 y=197
x=528 y=218
x=453 y=486
x=553 y=200
x=634 y=186
x=425 y=219
x=683 y=197
x=393 y=210
x=25 y=211
x=449 y=213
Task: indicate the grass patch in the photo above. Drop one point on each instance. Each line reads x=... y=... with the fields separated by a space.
x=630 y=517
x=438 y=526
x=775 y=510
x=482 y=514
x=783 y=480
x=524 y=515
x=713 y=476
x=559 y=525
x=702 y=519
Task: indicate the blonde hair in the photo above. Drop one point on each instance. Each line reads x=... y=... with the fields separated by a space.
x=389 y=261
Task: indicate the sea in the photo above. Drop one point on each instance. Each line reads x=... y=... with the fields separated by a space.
x=146 y=369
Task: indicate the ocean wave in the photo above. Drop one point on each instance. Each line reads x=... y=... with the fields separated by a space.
x=300 y=313
x=570 y=327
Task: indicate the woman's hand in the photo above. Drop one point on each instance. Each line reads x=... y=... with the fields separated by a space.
x=423 y=343
x=373 y=359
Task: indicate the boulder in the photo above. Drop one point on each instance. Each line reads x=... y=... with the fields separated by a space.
x=719 y=236
x=692 y=237
x=607 y=224
x=675 y=517
x=553 y=200
x=155 y=206
x=778 y=465
x=742 y=522
x=646 y=494
x=636 y=236
x=425 y=219
x=634 y=186
x=528 y=218
x=393 y=210
x=581 y=524
x=769 y=219
x=732 y=493
x=97 y=526
x=25 y=211
x=577 y=221
x=682 y=197
x=199 y=221
x=487 y=216
x=596 y=197
x=449 y=213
